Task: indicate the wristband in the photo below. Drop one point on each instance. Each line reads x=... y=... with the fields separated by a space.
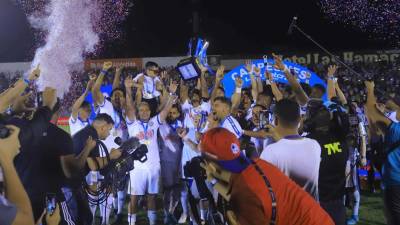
x=331 y=78
x=213 y=182
x=104 y=72
x=26 y=81
x=238 y=90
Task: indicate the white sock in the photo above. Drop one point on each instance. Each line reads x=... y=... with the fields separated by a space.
x=356 y=203
x=184 y=203
x=115 y=202
x=106 y=207
x=203 y=214
x=131 y=219
x=92 y=207
x=152 y=215
x=121 y=200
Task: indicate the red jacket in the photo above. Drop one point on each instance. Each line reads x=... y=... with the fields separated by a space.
x=251 y=201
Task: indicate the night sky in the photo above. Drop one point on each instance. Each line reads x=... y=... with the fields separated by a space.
x=163 y=28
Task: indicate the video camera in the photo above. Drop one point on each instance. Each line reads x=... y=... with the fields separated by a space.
x=193 y=170
x=116 y=170
x=132 y=151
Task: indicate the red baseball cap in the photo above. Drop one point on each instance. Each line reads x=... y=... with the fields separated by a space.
x=223 y=146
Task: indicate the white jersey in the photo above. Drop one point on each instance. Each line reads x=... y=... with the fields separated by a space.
x=146 y=132
x=76 y=125
x=149 y=86
x=228 y=123
x=188 y=153
x=170 y=143
x=298 y=159
x=191 y=112
x=119 y=128
x=232 y=125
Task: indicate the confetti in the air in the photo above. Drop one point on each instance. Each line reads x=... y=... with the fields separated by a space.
x=69 y=30
x=378 y=17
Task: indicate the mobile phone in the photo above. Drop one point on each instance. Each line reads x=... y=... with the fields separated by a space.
x=50 y=203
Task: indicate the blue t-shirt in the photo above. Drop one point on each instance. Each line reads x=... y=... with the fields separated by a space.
x=391 y=167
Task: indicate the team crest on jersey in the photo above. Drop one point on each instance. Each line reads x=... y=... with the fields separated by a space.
x=151 y=124
x=235 y=148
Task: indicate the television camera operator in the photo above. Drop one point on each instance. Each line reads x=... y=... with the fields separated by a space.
x=329 y=127
x=92 y=155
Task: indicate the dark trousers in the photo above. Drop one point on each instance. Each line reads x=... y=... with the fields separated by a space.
x=391 y=200
x=78 y=206
x=336 y=211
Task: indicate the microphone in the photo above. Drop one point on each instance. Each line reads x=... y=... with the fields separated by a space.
x=292 y=24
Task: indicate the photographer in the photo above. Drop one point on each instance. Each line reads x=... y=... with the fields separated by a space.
x=256 y=191
x=15 y=207
x=260 y=118
x=330 y=130
x=92 y=155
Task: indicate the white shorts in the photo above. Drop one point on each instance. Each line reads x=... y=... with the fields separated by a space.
x=144 y=181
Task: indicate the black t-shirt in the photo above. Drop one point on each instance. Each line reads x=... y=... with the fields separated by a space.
x=80 y=138
x=334 y=154
x=39 y=166
x=79 y=142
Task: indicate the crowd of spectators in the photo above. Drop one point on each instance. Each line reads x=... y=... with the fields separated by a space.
x=386 y=77
x=274 y=153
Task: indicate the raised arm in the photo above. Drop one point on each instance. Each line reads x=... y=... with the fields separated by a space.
x=170 y=101
x=238 y=93
x=301 y=96
x=184 y=92
x=219 y=76
x=97 y=95
x=139 y=90
x=363 y=134
x=251 y=71
x=203 y=86
x=7 y=97
x=340 y=94
x=117 y=77
x=275 y=90
x=130 y=105
x=374 y=114
x=81 y=99
x=331 y=81
x=260 y=87
x=164 y=95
